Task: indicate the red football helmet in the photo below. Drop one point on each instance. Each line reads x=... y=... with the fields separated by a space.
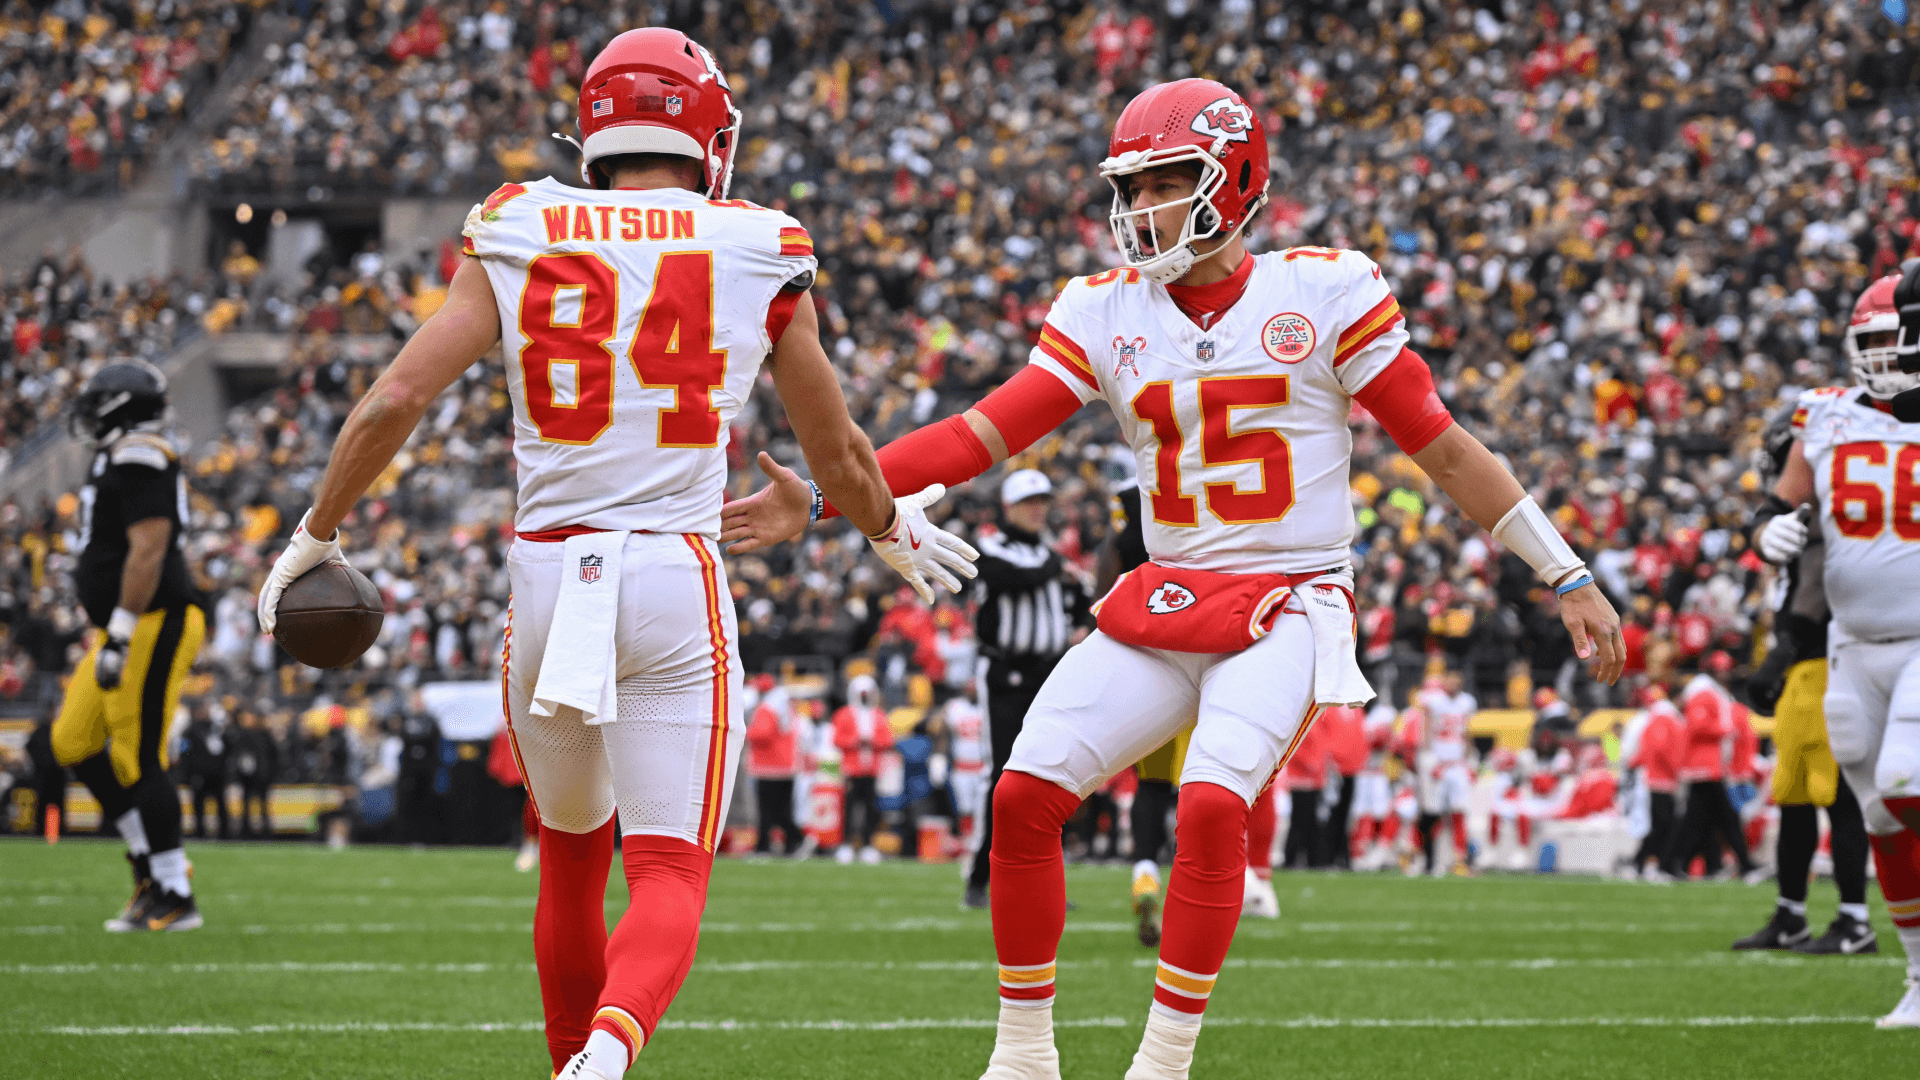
x=657 y=91
x=1192 y=120
x=1503 y=760
x=1871 y=341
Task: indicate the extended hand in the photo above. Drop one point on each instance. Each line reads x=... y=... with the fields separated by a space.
x=303 y=554
x=1596 y=632
x=1783 y=538
x=919 y=549
x=774 y=514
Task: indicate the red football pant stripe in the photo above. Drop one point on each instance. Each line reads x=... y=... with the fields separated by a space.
x=1204 y=890
x=1896 y=858
x=570 y=933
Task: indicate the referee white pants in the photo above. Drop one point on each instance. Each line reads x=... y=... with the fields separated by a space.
x=1107 y=705
x=667 y=759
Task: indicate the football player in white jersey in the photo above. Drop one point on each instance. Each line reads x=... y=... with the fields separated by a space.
x=1859 y=469
x=634 y=316
x=1232 y=377
x=1445 y=780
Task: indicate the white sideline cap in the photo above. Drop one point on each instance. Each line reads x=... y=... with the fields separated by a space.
x=1024 y=484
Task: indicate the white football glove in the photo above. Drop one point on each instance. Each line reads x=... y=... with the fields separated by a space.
x=921 y=550
x=303 y=554
x=1783 y=537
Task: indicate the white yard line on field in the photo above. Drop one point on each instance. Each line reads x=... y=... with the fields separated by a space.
x=970 y=1023
x=744 y=967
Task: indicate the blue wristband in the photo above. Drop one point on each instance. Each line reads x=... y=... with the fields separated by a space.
x=819 y=503
x=1582 y=580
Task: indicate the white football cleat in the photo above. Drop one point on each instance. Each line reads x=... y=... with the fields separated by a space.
x=579 y=1067
x=529 y=856
x=1166 y=1050
x=1023 y=1046
x=1907 y=1013
x=843 y=855
x=1258 y=900
x=1516 y=860
x=870 y=855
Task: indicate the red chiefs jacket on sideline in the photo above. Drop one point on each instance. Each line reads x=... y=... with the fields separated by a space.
x=1345 y=730
x=773 y=738
x=1658 y=755
x=1746 y=745
x=1709 y=718
x=1307 y=769
x=861 y=733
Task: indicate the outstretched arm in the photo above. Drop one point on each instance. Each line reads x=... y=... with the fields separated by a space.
x=1486 y=492
x=950 y=452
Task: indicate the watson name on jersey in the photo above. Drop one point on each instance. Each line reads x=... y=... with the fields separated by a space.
x=633 y=324
x=1240 y=430
x=1866 y=478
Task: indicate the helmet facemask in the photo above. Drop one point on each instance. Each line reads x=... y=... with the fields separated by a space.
x=1169 y=262
x=1875 y=361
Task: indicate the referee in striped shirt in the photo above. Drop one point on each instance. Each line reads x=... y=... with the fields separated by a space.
x=1031 y=611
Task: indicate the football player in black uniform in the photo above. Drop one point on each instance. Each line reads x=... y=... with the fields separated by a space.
x=133 y=581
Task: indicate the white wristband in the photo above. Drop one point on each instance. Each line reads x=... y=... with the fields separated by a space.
x=1526 y=532
x=121 y=623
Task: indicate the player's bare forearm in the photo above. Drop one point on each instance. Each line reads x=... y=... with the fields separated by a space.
x=1795 y=486
x=837 y=451
x=146 y=555
x=1471 y=476
x=988 y=434
x=457 y=336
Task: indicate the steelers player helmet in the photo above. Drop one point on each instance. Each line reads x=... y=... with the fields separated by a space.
x=118 y=397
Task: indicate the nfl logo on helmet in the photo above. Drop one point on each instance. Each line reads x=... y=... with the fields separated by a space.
x=673 y=105
x=590 y=568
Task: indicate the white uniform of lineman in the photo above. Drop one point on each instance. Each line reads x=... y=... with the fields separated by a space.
x=1444 y=779
x=633 y=325
x=1372 y=794
x=1240 y=433
x=1866 y=478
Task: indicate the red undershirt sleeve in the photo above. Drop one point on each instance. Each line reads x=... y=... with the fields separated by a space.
x=1028 y=406
x=1403 y=399
x=780 y=313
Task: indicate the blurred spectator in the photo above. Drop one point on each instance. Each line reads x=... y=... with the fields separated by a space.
x=774 y=737
x=861 y=732
x=255 y=760
x=1710 y=820
x=204 y=758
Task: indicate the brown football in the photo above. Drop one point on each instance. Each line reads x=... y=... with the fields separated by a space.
x=329 y=616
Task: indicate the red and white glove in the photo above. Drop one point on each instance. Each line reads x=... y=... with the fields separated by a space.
x=920 y=550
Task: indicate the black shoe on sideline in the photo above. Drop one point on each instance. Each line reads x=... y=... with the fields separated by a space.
x=171 y=911
x=1845 y=936
x=1783 y=931
x=976 y=897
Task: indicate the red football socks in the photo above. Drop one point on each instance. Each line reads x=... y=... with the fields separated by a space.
x=653 y=945
x=1261 y=825
x=1458 y=823
x=1896 y=857
x=570 y=933
x=1029 y=884
x=1204 y=894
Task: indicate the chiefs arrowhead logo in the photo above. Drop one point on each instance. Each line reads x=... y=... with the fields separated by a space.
x=1226 y=120
x=590 y=568
x=1169 y=598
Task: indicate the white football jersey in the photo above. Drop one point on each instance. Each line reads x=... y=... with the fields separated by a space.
x=1866 y=479
x=1447 y=718
x=1240 y=430
x=633 y=325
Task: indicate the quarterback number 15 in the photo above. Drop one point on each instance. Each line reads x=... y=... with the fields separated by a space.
x=1219 y=445
x=569 y=314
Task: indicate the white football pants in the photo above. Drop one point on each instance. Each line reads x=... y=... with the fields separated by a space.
x=668 y=758
x=1107 y=705
x=1873 y=723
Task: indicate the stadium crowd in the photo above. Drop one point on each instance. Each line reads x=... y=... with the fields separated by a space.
x=1622 y=233
x=89 y=89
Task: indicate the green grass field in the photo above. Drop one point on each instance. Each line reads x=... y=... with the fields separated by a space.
x=383 y=962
